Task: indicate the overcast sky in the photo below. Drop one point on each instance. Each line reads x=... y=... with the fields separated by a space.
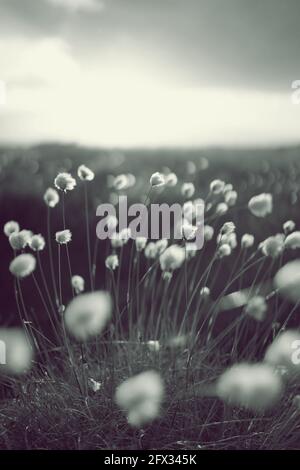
x=150 y=72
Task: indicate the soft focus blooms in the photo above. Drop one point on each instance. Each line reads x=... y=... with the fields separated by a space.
x=172 y=258
x=221 y=208
x=157 y=180
x=285 y=351
x=51 y=197
x=140 y=397
x=188 y=231
x=23 y=265
x=205 y=292
x=231 y=198
x=187 y=190
x=19 y=240
x=217 y=186
x=261 y=205
x=227 y=228
x=293 y=240
x=140 y=243
x=120 y=239
x=287 y=281
x=88 y=314
x=224 y=250
x=112 y=262
x=85 y=174
x=94 y=385
x=208 y=233
x=77 y=283
x=289 y=226
x=171 y=179
x=161 y=245
x=273 y=246
x=37 y=243
x=11 y=227
x=153 y=345
x=65 y=182
x=121 y=182
x=151 y=250
x=16 y=351
x=257 y=308
x=253 y=386
x=63 y=237
x=227 y=239
x=247 y=240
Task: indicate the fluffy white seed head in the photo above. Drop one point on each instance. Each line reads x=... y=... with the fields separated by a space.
x=257 y=308
x=253 y=386
x=63 y=237
x=65 y=182
x=88 y=314
x=85 y=174
x=140 y=243
x=261 y=205
x=11 y=227
x=23 y=265
x=247 y=240
x=172 y=258
x=77 y=283
x=285 y=351
x=112 y=262
x=273 y=246
x=140 y=397
x=157 y=180
x=287 y=281
x=217 y=186
x=18 y=351
x=37 y=242
x=51 y=197
x=292 y=240
x=187 y=190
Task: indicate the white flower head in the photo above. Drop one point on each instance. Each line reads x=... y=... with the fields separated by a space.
x=161 y=246
x=217 y=186
x=287 y=281
x=140 y=243
x=23 y=265
x=289 y=226
x=261 y=205
x=153 y=345
x=18 y=351
x=77 y=283
x=157 y=180
x=247 y=240
x=65 y=182
x=37 y=242
x=11 y=227
x=51 y=197
x=85 y=174
x=257 y=308
x=273 y=246
x=171 y=179
x=187 y=190
x=151 y=250
x=112 y=262
x=172 y=258
x=19 y=240
x=253 y=386
x=224 y=250
x=284 y=351
x=63 y=237
x=208 y=232
x=94 y=385
x=293 y=240
x=231 y=198
x=88 y=314
x=121 y=182
x=140 y=397
x=221 y=208
x=205 y=292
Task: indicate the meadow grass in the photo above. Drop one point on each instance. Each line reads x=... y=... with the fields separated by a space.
x=171 y=325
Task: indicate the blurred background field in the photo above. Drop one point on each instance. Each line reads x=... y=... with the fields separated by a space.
x=25 y=173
